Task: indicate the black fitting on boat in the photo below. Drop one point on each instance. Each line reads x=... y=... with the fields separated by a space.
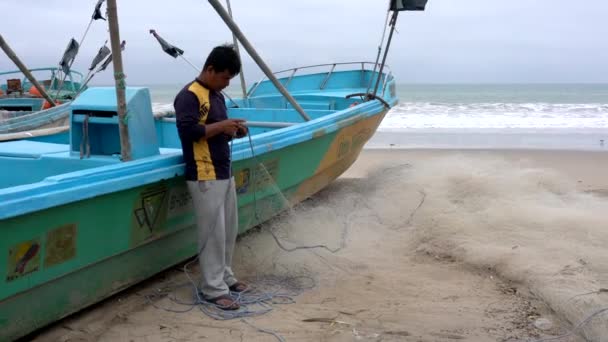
x=369 y=97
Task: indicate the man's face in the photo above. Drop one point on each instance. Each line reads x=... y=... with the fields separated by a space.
x=218 y=80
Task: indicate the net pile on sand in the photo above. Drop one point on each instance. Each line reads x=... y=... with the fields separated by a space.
x=531 y=226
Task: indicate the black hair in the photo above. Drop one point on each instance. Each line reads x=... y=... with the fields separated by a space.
x=224 y=57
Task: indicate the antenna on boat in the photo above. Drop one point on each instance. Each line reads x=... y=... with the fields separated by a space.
x=13 y=56
x=175 y=52
x=119 y=78
x=396 y=7
x=238 y=51
x=256 y=57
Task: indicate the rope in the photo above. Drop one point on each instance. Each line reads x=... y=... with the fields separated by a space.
x=120 y=77
x=371 y=80
x=384 y=31
x=85 y=33
x=576 y=328
x=255 y=190
x=192 y=65
x=276 y=239
x=266 y=331
x=600 y=291
x=253 y=302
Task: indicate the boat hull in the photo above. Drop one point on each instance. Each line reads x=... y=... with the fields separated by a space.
x=65 y=258
x=50 y=118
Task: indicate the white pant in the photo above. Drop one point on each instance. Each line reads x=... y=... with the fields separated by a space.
x=215 y=208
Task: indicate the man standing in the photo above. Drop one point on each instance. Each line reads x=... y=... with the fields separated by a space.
x=205 y=133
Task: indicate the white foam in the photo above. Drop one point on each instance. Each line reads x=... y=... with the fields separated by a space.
x=496 y=115
x=159 y=108
x=482 y=115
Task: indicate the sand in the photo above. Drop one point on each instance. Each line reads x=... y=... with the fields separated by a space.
x=436 y=245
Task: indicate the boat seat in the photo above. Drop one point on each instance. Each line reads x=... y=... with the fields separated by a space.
x=30 y=149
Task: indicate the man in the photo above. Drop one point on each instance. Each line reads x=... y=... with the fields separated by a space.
x=205 y=133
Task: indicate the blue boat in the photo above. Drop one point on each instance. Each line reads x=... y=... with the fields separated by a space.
x=23 y=111
x=78 y=224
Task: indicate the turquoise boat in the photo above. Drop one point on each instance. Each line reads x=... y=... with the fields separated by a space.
x=24 y=113
x=80 y=225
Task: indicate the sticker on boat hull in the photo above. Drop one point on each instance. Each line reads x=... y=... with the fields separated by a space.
x=60 y=245
x=23 y=259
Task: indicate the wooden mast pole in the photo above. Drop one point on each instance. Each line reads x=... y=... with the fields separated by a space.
x=119 y=78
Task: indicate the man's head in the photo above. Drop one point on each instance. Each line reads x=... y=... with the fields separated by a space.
x=221 y=66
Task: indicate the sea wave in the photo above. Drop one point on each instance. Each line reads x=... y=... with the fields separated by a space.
x=496 y=115
x=159 y=108
x=483 y=115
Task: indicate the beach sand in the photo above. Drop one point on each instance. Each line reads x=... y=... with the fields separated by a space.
x=438 y=245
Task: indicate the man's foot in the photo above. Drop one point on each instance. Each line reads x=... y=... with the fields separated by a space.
x=239 y=287
x=224 y=302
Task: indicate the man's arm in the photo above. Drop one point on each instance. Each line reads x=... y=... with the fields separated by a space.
x=187 y=116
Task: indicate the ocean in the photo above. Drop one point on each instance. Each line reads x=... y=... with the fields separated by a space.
x=565 y=116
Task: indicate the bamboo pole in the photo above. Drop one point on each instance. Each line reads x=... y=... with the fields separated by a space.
x=119 y=78
x=11 y=54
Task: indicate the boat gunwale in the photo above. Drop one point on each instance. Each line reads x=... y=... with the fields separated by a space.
x=51 y=69
x=264 y=79
x=49 y=114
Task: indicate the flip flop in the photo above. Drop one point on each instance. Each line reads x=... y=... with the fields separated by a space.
x=239 y=287
x=216 y=301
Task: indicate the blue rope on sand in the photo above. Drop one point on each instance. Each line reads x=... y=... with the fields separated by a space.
x=253 y=302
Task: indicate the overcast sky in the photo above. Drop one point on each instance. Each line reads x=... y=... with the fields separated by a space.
x=454 y=41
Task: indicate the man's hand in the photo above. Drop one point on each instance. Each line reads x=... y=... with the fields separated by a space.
x=242 y=131
x=232 y=126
